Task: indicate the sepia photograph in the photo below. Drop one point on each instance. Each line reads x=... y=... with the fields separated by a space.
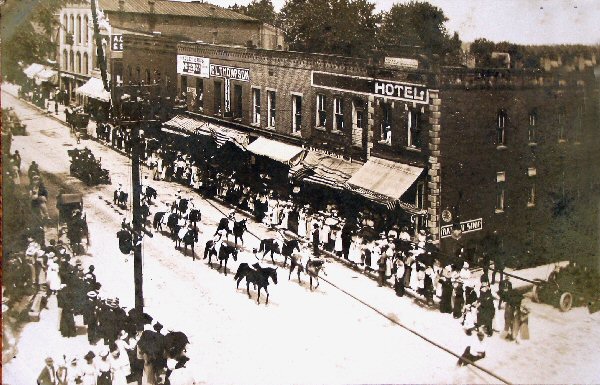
x=278 y=192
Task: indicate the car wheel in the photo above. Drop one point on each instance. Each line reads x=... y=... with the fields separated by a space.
x=565 y=302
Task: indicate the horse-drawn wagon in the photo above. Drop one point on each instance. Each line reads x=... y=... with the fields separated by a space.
x=87 y=168
x=78 y=121
x=569 y=286
x=72 y=221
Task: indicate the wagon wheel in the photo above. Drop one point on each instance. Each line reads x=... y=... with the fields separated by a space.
x=565 y=302
x=536 y=294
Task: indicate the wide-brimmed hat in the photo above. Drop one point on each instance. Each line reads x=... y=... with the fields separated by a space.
x=104 y=352
x=90 y=355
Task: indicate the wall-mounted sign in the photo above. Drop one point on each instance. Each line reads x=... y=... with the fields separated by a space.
x=233 y=73
x=369 y=86
x=446 y=216
x=466 y=227
x=193 y=65
x=400 y=62
x=116 y=43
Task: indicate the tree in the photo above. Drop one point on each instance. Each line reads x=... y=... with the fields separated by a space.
x=482 y=50
x=262 y=10
x=343 y=27
x=417 y=24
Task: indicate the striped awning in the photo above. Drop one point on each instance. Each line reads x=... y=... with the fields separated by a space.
x=282 y=152
x=94 y=88
x=188 y=125
x=169 y=131
x=383 y=180
x=46 y=74
x=325 y=170
x=33 y=69
x=223 y=135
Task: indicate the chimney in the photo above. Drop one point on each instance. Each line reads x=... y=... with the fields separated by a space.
x=121 y=5
x=151 y=4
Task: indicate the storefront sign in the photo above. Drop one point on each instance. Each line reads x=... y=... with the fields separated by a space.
x=368 y=86
x=116 y=43
x=193 y=65
x=466 y=227
x=232 y=73
x=400 y=62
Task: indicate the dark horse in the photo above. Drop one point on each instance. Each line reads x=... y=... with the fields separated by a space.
x=194 y=217
x=272 y=245
x=223 y=225
x=172 y=220
x=224 y=253
x=239 y=228
x=188 y=237
x=182 y=206
x=149 y=194
x=120 y=199
x=258 y=277
x=313 y=268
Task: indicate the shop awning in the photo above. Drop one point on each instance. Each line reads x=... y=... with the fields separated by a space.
x=164 y=129
x=45 y=75
x=33 y=69
x=383 y=180
x=325 y=170
x=222 y=135
x=188 y=125
x=279 y=151
x=94 y=89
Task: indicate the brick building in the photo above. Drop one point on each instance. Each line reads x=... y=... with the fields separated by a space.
x=493 y=153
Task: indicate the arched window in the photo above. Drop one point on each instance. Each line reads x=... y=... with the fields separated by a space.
x=78 y=30
x=138 y=75
x=71 y=60
x=78 y=62
x=129 y=73
x=86 y=26
x=86 y=64
x=71 y=24
x=148 y=78
x=501 y=119
x=65 y=60
x=65 y=28
x=533 y=118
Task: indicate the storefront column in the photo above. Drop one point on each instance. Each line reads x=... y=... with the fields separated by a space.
x=434 y=183
x=370 y=124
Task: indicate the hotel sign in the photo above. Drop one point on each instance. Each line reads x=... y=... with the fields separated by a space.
x=369 y=86
x=466 y=227
x=193 y=65
x=232 y=73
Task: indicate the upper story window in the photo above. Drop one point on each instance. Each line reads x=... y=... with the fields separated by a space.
x=78 y=29
x=218 y=97
x=386 y=123
x=272 y=109
x=148 y=76
x=199 y=95
x=338 y=112
x=65 y=28
x=71 y=61
x=78 y=63
x=256 y=105
x=65 y=60
x=501 y=119
x=85 y=32
x=296 y=113
x=562 y=121
x=86 y=64
x=579 y=124
x=532 y=127
x=500 y=191
x=71 y=24
x=321 y=110
x=531 y=173
x=413 y=123
x=237 y=101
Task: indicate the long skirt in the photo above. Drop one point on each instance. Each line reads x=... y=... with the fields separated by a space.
x=67 y=323
x=399 y=287
x=302 y=228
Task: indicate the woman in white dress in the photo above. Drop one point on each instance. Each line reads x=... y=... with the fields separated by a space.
x=286 y=217
x=354 y=253
x=338 y=243
x=52 y=276
x=302 y=224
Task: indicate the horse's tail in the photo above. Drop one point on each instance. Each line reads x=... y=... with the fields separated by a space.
x=263 y=243
x=240 y=271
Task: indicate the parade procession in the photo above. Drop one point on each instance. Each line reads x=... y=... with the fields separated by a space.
x=166 y=165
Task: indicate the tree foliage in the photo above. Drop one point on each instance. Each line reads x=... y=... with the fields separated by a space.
x=343 y=27
x=262 y=10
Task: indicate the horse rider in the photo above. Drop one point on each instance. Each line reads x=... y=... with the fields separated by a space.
x=190 y=207
x=218 y=241
x=177 y=198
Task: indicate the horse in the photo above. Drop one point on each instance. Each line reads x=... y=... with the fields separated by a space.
x=145 y=212
x=258 y=277
x=239 y=228
x=120 y=198
x=223 y=225
x=225 y=251
x=171 y=222
x=194 y=216
x=187 y=236
x=149 y=194
x=313 y=268
x=272 y=245
x=182 y=206
x=295 y=263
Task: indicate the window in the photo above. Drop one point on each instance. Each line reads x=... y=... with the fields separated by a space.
x=138 y=74
x=237 y=101
x=413 y=128
x=500 y=191
x=386 y=123
x=321 y=112
x=338 y=113
x=85 y=32
x=65 y=61
x=531 y=134
x=71 y=61
x=501 y=128
x=78 y=62
x=148 y=77
x=71 y=24
x=296 y=113
x=531 y=194
x=272 y=109
x=85 y=69
x=256 y=106
x=579 y=125
x=561 y=125
x=199 y=95
x=65 y=28
x=78 y=29
x=218 y=98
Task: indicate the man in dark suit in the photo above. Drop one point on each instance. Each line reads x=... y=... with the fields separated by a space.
x=315 y=239
x=48 y=374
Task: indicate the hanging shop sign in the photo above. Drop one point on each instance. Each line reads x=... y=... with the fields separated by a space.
x=116 y=43
x=193 y=65
x=229 y=74
x=408 y=92
x=466 y=227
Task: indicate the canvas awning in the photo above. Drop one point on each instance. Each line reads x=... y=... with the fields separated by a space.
x=222 y=135
x=383 y=180
x=188 y=125
x=45 y=75
x=33 y=69
x=279 y=151
x=169 y=131
x=94 y=88
x=325 y=170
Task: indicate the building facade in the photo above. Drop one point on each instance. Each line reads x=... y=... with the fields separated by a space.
x=492 y=153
